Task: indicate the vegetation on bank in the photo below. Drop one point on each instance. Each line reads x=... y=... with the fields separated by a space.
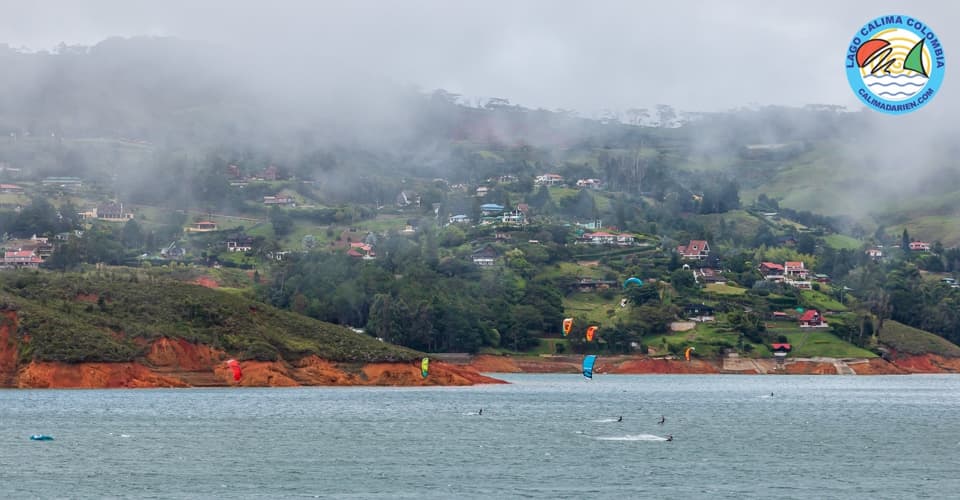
x=112 y=316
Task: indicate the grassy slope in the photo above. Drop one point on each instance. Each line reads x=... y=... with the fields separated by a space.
x=841 y=241
x=65 y=322
x=906 y=339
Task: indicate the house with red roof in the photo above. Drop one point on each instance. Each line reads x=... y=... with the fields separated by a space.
x=771 y=271
x=21 y=258
x=919 y=246
x=695 y=250
x=361 y=250
x=811 y=319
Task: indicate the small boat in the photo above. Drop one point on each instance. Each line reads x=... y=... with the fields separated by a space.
x=41 y=437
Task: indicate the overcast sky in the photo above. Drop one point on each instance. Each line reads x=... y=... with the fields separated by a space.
x=695 y=55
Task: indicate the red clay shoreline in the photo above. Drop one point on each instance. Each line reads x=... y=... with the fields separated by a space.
x=899 y=364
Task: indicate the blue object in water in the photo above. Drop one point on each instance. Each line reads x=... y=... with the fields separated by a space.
x=588 y=365
x=41 y=437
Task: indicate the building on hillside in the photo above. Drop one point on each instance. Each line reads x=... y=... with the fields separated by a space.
x=21 y=259
x=771 y=271
x=919 y=246
x=361 y=250
x=485 y=257
x=514 y=217
x=708 y=275
x=548 y=180
x=459 y=219
x=202 y=226
x=11 y=189
x=874 y=253
x=811 y=319
x=482 y=191
x=589 y=183
x=279 y=200
x=695 y=250
x=112 y=211
x=698 y=312
x=240 y=244
x=407 y=198
x=795 y=269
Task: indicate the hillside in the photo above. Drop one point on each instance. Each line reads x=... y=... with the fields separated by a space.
x=182 y=333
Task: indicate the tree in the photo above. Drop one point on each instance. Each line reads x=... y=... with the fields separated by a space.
x=644 y=294
x=132 y=235
x=806 y=244
x=905 y=240
x=281 y=221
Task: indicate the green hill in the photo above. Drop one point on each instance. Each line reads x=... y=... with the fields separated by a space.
x=76 y=318
x=909 y=340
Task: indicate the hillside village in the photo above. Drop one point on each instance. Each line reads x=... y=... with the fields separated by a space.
x=741 y=295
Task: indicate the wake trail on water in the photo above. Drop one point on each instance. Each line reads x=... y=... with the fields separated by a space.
x=604 y=420
x=632 y=437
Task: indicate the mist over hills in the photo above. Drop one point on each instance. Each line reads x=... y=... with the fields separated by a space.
x=170 y=101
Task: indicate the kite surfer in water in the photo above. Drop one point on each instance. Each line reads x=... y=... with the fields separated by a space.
x=669 y=437
x=480 y=412
x=620 y=419
x=662 y=420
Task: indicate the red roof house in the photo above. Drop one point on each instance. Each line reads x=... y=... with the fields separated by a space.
x=696 y=249
x=811 y=319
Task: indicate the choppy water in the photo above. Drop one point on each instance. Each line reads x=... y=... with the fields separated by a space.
x=544 y=436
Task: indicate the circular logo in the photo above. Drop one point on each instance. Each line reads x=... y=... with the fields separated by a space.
x=895 y=64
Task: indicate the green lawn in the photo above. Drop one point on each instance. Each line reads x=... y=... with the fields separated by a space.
x=808 y=343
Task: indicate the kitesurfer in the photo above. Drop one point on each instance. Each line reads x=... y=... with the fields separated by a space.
x=620 y=419
x=662 y=420
x=669 y=437
x=771 y=394
x=480 y=412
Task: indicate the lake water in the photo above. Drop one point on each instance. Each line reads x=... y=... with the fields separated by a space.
x=543 y=436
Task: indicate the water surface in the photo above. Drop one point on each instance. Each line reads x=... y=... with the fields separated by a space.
x=543 y=436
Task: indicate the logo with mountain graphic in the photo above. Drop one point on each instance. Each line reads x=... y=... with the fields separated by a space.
x=895 y=64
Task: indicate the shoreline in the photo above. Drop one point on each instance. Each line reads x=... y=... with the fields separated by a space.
x=646 y=365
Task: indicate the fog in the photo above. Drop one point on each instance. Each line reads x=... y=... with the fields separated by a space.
x=588 y=56
x=359 y=61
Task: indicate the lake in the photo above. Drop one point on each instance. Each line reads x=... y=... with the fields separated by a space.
x=542 y=436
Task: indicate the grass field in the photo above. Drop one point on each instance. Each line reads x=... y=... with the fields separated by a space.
x=842 y=241
x=724 y=289
x=821 y=302
x=809 y=343
x=592 y=308
x=573 y=270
